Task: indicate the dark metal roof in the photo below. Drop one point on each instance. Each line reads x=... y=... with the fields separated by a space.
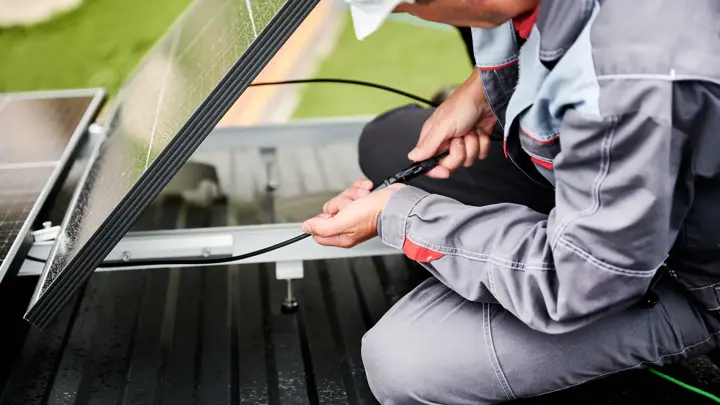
x=217 y=336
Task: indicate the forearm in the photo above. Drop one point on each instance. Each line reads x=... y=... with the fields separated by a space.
x=472 y=88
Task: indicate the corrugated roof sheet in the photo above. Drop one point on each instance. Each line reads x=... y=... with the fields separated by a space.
x=217 y=336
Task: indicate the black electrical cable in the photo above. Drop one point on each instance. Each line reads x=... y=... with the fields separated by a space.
x=409 y=173
x=201 y=261
x=493 y=138
x=349 y=81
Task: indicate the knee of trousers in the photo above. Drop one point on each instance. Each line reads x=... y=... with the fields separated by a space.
x=400 y=373
x=386 y=140
x=434 y=347
x=395 y=374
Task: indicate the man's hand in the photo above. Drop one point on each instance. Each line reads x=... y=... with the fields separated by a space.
x=359 y=189
x=350 y=218
x=462 y=125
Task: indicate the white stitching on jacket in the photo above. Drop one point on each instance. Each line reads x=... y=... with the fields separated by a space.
x=597 y=184
x=528 y=266
x=667 y=77
x=605 y=266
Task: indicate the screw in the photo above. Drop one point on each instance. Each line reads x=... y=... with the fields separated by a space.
x=47 y=225
x=290 y=304
x=126 y=256
x=206 y=252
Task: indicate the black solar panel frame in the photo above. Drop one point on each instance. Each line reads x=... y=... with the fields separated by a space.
x=43 y=309
x=23 y=242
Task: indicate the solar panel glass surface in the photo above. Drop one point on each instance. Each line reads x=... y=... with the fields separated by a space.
x=167 y=107
x=38 y=133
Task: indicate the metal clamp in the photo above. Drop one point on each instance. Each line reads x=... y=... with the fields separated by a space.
x=48 y=232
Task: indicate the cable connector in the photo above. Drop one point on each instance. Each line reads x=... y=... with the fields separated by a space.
x=415 y=170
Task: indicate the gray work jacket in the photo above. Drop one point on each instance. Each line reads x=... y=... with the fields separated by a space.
x=616 y=104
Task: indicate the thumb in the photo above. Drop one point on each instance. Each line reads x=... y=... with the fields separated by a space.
x=428 y=146
x=322 y=225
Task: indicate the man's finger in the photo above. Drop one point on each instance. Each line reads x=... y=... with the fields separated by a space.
x=426 y=129
x=347 y=197
x=324 y=227
x=429 y=144
x=313 y=226
x=357 y=192
x=340 y=241
x=322 y=215
x=337 y=204
x=344 y=198
x=439 y=172
x=364 y=184
x=456 y=158
x=472 y=149
x=485 y=145
x=354 y=193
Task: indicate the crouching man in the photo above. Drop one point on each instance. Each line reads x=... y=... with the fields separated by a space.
x=588 y=242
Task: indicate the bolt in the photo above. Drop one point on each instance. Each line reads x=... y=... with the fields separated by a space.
x=47 y=225
x=95 y=128
x=126 y=256
x=290 y=304
x=206 y=252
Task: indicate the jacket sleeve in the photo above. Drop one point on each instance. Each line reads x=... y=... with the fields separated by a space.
x=597 y=251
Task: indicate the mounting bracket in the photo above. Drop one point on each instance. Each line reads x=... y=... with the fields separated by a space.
x=217 y=242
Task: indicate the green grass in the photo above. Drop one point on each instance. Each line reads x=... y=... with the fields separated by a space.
x=414 y=58
x=96 y=45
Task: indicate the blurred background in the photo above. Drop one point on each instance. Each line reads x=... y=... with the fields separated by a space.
x=59 y=44
x=70 y=44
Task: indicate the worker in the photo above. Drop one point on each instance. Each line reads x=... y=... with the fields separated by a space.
x=593 y=247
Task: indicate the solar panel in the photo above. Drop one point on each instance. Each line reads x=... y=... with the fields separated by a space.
x=163 y=112
x=39 y=132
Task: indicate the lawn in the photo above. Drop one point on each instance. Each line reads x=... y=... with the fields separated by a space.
x=411 y=57
x=96 y=45
x=99 y=43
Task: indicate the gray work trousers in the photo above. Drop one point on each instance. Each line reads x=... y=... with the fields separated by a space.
x=435 y=347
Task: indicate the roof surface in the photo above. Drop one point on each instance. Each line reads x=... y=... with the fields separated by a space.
x=217 y=336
